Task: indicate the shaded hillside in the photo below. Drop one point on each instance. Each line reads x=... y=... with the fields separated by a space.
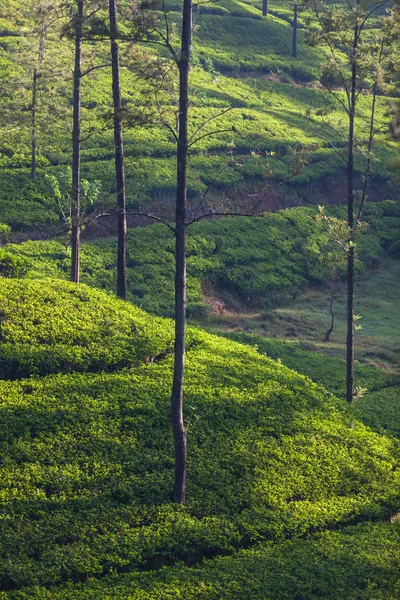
x=261 y=261
x=351 y=563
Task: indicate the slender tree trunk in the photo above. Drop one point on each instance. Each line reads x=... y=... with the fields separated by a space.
x=33 y=122
x=36 y=76
x=76 y=149
x=350 y=222
x=294 y=34
x=178 y=428
x=265 y=8
x=119 y=153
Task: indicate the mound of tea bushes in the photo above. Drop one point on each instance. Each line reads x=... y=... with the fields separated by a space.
x=59 y=327
x=87 y=458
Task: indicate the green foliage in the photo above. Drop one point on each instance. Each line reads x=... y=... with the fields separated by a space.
x=86 y=454
x=57 y=327
x=233 y=47
x=356 y=562
x=263 y=260
x=381 y=410
x=226 y=41
x=25 y=202
x=61 y=192
x=4 y=229
x=326 y=370
x=87 y=458
x=11 y=265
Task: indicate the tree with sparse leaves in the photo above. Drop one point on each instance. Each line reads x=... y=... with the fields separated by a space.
x=360 y=39
x=37 y=71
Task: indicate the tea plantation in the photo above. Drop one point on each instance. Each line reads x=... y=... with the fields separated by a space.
x=86 y=470
x=272 y=113
x=261 y=261
x=292 y=494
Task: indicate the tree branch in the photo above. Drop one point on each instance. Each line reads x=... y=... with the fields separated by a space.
x=205 y=135
x=212 y=118
x=210 y=215
x=331 y=144
x=151 y=216
x=94 y=69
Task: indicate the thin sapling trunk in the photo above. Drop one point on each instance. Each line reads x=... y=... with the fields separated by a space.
x=36 y=75
x=33 y=111
x=350 y=223
x=331 y=301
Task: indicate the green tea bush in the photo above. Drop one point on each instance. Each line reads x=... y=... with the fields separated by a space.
x=356 y=562
x=381 y=410
x=50 y=327
x=26 y=202
x=87 y=464
x=11 y=265
x=4 y=230
x=327 y=370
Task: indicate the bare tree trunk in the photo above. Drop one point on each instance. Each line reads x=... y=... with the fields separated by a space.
x=294 y=34
x=350 y=222
x=265 y=8
x=119 y=153
x=36 y=76
x=178 y=428
x=33 y=122
x=76 y=149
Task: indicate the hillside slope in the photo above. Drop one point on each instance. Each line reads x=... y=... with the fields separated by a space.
x=86 y=473
x=242 y=67
x=260 y=261
x=357 y=562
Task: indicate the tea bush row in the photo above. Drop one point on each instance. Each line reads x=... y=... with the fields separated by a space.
x=355 y=562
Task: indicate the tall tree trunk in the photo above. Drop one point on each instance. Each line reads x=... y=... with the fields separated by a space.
x=33 y=122
x=350 y=222
x=265 y=8
x=119 y=153
x=36 y=75
x=178 y=428
x=76 y=149
x=294 y=33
